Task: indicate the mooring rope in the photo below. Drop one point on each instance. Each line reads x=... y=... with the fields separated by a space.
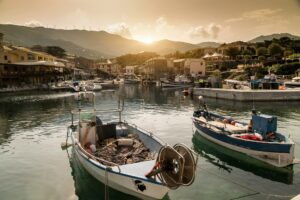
x=248 y=188
x=106 y=185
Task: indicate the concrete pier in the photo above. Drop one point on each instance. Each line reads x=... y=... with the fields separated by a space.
x=249 y=95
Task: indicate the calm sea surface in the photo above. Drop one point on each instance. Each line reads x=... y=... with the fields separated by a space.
x=33 y=166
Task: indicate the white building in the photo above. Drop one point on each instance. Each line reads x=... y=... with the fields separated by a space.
x=196 y=66
x=130 y=69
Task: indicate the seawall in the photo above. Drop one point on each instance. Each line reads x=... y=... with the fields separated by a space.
x=249 y=95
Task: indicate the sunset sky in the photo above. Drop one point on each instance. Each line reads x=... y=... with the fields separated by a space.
x=147 y=20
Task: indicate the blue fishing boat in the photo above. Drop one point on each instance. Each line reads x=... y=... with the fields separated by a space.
x=258 y=138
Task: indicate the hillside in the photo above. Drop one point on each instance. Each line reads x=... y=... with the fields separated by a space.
x=208 y=44
x=262 y=38
x=91 y=44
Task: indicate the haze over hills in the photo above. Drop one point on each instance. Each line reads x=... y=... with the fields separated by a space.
x=91 y=44
x=275 y=35
x=97 y=44
x=208 y=44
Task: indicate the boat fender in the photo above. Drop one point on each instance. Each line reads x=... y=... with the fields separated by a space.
x=125 y=142
x=258 y=136
x=93 y=148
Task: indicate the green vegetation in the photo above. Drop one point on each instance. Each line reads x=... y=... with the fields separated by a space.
x=195 y=53
x=275 y=50
x=285 y=69
x=261 y=51
x=232 y=52
x=56 y=51
x=135 y=59
x=52 y=50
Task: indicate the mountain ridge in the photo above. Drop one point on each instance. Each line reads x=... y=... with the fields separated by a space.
x=262 y=38
x=98 y=44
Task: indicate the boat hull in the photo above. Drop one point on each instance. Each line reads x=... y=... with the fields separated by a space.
x=276 y=154
x=292 y=84
x=175 y=85
x=117 y=180
x=131 y=81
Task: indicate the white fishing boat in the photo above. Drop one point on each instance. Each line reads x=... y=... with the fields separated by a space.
x=181 y=81
x=92 y=86
x=131 y=79
x=127 y=158
x=258 y=139
x=295 y=83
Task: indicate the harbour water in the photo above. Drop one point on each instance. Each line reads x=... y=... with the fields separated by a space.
x=33 y=166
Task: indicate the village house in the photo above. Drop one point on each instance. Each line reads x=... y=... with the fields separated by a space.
x=22 y=66
x=240 y=45
x=196 y=66
x=109 y=66
x=130 y=70
x=155 y=68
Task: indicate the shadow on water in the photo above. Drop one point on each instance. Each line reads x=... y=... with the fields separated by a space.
x=228 y=160
x=89 y=188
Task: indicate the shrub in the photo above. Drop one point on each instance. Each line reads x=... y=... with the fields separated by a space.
x=286 y=69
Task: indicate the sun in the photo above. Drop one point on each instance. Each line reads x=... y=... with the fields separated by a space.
x=146 y=39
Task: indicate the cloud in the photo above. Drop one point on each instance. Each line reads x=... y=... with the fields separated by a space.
x=121 y=29
x=260 y=15
x=33 y=23
x=161 y=23
x=212 y=31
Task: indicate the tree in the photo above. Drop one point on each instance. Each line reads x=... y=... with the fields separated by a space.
x=56 y=51
x=261 y=51
x=232 y=52
x=261 y=58
x=287 y=53
x=247 y=58
x=246 y=52
x=216 y=73
x=275 y=50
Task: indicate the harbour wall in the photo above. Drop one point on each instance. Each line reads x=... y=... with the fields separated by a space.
x=249 y=95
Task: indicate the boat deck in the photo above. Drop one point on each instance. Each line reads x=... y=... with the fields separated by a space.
x=136 y=169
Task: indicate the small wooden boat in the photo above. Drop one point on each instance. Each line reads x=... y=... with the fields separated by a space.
x=130 y=159
x=180 y=81
x=259 y=139
x=175 y=84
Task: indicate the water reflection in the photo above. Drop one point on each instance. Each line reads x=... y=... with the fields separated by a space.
x=229 y=160
x=21 y=113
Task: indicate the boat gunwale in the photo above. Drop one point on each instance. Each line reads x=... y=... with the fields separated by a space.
x=289 y=143
x=288 y=140
x=104 y=167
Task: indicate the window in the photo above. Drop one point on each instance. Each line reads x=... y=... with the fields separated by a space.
x=40 y=58
x=22 y=58
x=5 y=57
x=30 y=56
